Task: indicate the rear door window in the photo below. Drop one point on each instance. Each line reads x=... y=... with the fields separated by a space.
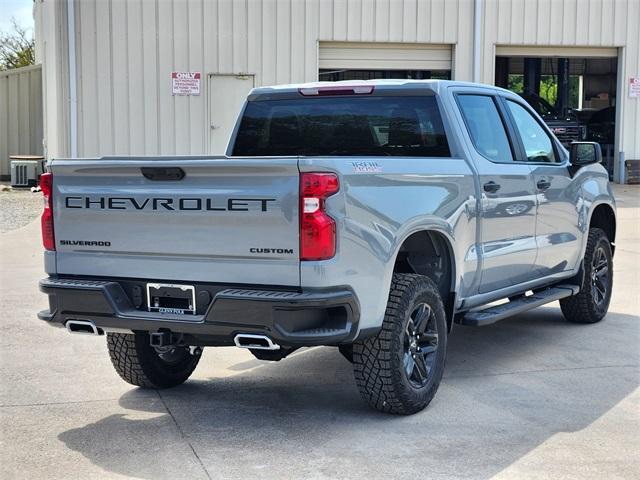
x=343 y=126
x=485 y=127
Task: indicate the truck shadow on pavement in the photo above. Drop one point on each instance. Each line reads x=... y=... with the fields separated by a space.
x=508 y=388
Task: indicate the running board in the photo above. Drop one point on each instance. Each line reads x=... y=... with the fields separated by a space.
x=478 y=318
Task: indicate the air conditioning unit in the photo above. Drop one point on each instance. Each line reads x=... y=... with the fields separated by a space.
x=24 y=173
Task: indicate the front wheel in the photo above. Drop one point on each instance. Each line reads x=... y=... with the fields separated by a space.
x=140 y=364
x=399 y=370
x=590 y=305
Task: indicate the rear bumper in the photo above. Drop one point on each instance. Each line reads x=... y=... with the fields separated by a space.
x=313 y=317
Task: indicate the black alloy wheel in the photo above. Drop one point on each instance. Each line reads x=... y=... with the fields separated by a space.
x=600 y=279
x=591 y=303
x=420 y=345
x=399 y=370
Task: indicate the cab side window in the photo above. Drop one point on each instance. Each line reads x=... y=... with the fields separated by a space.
x=485 y=127
x=537 y=143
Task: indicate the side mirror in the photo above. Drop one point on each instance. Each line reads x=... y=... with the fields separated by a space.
x=585 y=153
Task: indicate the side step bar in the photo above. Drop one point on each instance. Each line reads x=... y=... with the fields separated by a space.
x=478 y=318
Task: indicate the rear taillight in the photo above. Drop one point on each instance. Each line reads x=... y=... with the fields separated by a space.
x=46 y=184
x=317 y=228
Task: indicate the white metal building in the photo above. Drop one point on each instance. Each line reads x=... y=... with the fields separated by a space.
x=109 y=90
x=20 y=114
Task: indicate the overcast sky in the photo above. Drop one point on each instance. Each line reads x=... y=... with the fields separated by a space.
x=21 y=10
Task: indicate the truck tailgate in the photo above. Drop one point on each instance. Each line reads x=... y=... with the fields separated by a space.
x=227 y=220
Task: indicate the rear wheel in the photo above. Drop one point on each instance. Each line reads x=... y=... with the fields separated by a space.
x=399 y=370
x=590 y=305
x=140 y=364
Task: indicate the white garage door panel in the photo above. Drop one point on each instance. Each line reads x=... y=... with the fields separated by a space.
x=563 y=52
x=390 y=56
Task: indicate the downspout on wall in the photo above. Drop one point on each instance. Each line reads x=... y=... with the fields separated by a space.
x=477 y=39
x=73 y=90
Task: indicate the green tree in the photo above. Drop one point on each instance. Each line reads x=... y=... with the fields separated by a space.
x=17 y=48
x=516 y=83
x=549 y=88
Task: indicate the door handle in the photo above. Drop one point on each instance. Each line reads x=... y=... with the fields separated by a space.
x=543 y=184
x=491 y=187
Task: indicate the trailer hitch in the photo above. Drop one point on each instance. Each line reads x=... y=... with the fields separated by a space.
x=166 y=339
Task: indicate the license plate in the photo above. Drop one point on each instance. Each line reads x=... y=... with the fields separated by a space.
x=171 y=298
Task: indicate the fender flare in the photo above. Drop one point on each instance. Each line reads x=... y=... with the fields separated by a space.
x=450 y=302
x=592 y=208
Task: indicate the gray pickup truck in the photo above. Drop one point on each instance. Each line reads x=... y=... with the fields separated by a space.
x=367 y=216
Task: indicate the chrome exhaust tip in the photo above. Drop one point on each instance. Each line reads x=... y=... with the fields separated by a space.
x=83 y=327
x=255 y=342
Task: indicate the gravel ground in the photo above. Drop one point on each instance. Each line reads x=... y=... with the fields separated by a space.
x=18 y=208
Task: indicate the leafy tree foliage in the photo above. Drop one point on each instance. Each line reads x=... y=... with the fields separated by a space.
x=548 y=87
x=17 y=48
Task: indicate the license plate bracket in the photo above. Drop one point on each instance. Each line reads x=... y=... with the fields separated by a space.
x=171 y=298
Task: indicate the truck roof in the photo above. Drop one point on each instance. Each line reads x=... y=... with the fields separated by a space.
x=378 y=86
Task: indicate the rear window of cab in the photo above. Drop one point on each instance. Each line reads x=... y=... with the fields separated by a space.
x=343 y=126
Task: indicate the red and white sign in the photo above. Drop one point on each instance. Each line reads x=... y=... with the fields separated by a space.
x=634 y=87
x=185 y=83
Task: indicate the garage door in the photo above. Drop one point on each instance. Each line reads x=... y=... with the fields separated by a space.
x=561 y=52
x=384 y=56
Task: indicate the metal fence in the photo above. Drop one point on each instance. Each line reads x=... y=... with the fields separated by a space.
x=21 y=115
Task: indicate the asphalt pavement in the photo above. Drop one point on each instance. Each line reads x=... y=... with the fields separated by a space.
x=529 y=397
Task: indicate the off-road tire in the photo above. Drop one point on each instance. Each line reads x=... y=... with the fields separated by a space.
x=378 y=362
x=583 y=307
x=138 y=363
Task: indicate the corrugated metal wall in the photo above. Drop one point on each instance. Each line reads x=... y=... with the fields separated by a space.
x=20 y=114
x=127 y=51
x=50 y=19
